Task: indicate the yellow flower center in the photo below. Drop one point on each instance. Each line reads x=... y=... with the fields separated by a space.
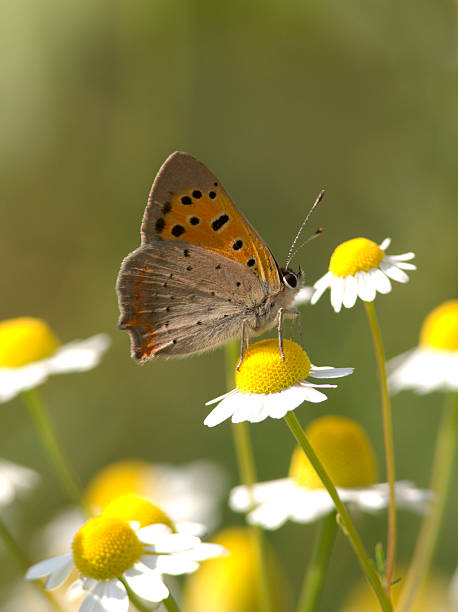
x=440 y=328
x=105 y=547
x=25 y=340
x=357 y=255
x=343 y=448
x=131 y=507
x=131 y=476
x=263 y=371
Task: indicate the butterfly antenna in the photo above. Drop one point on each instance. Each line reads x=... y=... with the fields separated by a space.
x=293 y=251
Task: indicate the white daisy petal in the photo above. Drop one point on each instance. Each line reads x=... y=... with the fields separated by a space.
x=313 y=395
x=278 y=404
x=406 y=266
x=218 y=399
x=15 y=380
x=337 y=292
x=350 y=292
x=15 y=479
x=76 y=590
x=403 y=257
x=320 y=287
x=189 y=528
x=59 y=576
x=366 y=290
x=385 y=244
x=303 y=296
x=151 y=533
x=47 y=567
x=393 y=271
x=310 y=505
x=329 y=372
x=106 y=596
x=223 y=410
x=78 y=356
x=148 y=585
x=250 y=407
x=381 y=281
x=176 y=564
x=174 y=542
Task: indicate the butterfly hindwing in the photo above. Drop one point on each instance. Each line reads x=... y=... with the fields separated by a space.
x=177 y=298
x=188 y=203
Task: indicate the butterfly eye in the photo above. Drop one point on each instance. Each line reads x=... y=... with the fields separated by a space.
x=290 y=279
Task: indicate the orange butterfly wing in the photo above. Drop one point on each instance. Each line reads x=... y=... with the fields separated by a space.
x=188 y=203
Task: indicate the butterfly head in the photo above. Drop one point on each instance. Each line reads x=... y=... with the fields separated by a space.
x=292 y=280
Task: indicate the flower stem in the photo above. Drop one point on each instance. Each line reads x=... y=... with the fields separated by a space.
x=134 y=598
x=440 y=482
x=388 y=443
x=350 y=531
x=15 y=551
x=42 y=422
x=247 y=470
x=170 y=604
x=316 y=571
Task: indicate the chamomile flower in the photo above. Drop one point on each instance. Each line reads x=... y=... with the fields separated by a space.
x=433 y=364
x=359 y=268
x=228 y=583
x=190 y=492
x=112 y=549
x=270 y=387
x=15 y=480
x=30 y=352
x=346 y=453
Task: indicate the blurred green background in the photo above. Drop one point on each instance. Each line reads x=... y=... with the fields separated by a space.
x=279 y=99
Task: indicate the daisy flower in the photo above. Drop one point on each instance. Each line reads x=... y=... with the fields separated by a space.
x=270 y=387
x=360 y=268
x=226 y=584
x=113 y=550
x=347 y=455
x=14 y=480
x=191 y=492
x=433 y=364
x=30 y=352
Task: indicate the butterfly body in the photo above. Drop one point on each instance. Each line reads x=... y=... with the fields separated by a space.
x=202 y=275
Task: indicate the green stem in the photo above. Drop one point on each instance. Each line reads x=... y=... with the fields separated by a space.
x=42 y=422
x=247 y=470
x=350 y=531
x=134 y=598
x=15 y=551
x=170 y=604
x=440 y=482
x=316 y=571
x=388 y=443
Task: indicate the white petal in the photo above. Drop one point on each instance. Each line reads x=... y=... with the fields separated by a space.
x=78 y=356
x=107 y=596
x=148 y=585
x=75 y=590
x=151 y=533
x=350 y=292
x=250 y=407
x=188 y=528
x=223 y=410
x=206 y=550
x=218 y=399
x=393 y=271
x=405 y=266
x=176 y=564
x=403 y=257
x=242 y=498
x=424 y=370
x=60 y=575
x=173 y=542
x=16 y=380
x=313 y=395
x=47 y=567
x=329 y=372
x=15 y=479
x=278 y=404
x=366 y=289
x=337 y=292
x=381 y=281
x=320 y=287
x=303 y=296
x=385 y=244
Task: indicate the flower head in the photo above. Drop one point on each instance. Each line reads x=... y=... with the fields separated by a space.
x=433 y=365
x=108 y=548
x=359 y=268
x=345 y=451
x=30 y=352
x=14 y=480
x=226 y=584
x=270 y=387
x=189 y=492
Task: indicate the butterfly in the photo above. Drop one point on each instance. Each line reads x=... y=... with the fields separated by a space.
x=202 y=276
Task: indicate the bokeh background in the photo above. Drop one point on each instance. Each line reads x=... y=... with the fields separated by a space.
x=279 y=99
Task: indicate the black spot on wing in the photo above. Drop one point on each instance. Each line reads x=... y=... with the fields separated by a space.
x=177 y=230
x=218 y=223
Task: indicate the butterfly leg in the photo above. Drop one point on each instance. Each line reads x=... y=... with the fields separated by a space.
x=244 y=343
x=281 y=315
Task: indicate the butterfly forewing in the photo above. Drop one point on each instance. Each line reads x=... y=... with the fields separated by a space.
x=188 y=203
x=177 y=298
